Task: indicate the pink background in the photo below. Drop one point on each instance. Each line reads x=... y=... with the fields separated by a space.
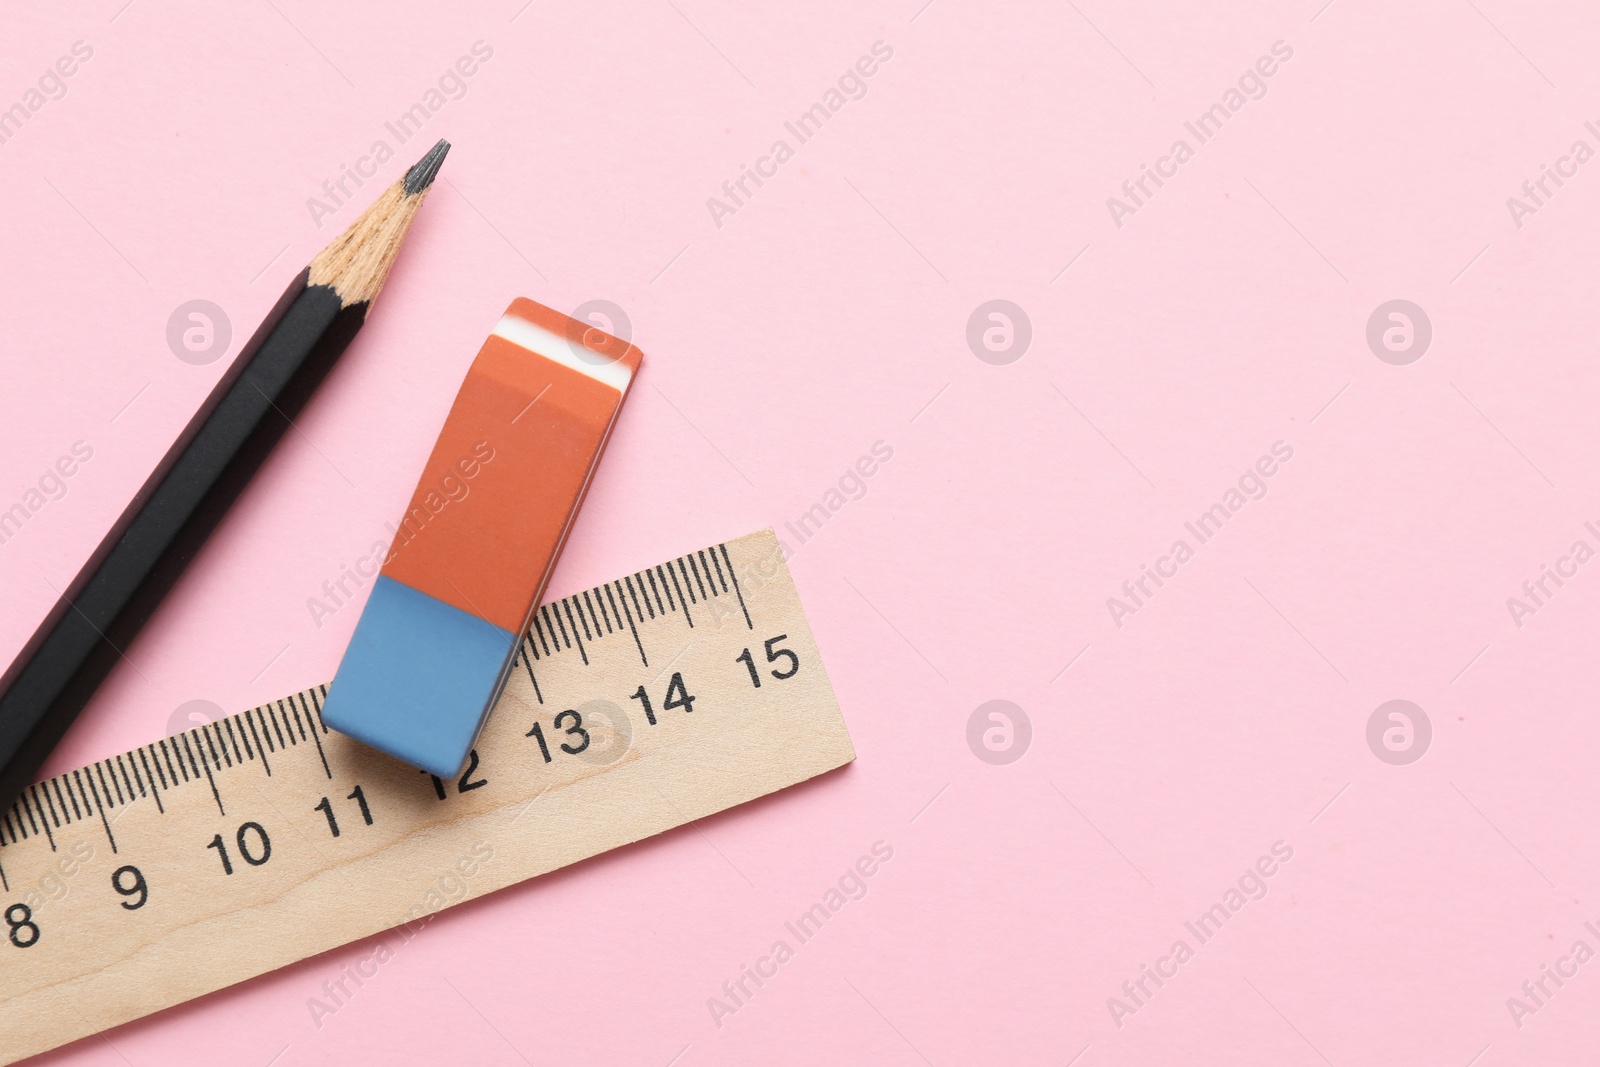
x=828 y=313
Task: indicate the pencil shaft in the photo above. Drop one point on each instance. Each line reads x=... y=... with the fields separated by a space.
x=93 y=626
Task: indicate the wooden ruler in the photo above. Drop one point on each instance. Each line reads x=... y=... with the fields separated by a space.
x=222 y=853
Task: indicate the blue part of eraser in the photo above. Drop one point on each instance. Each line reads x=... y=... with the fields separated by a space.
x=419 y=678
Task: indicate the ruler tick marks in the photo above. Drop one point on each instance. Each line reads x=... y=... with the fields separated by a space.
x=65 y=795
x=155 y=793
x=213 y=782
x=28 y=811
x=702 y=585
x=188 y=750
x=300 y=717
x=265 y=735
x=723 y=581
x=681 y=601
x=634 y=596
x=100 y=769
x=50 y=804
x=581 y=650
x=528 y=666
x=172 y=768
x=79 y=777
x=101 y=811
x=560 y=627
x=277 y=729
x=284 y=711
x=109 y=786
x=86 y=792
x=175 y=764
x=123 y=767
x=634 y=630
x=583 y=619
x=252 y=724
x=219 y=752
x=737 y=591
x=612 y=602
x=661 y=590
x=259 y=732
x=63 y=785
x=49 y=836
x=236 y=738
x=318 y=742
x=88 y=809
x=567 y=640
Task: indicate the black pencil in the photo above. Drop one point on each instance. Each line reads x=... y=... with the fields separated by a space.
x=90 y=628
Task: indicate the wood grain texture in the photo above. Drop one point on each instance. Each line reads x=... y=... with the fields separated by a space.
x=75 y=959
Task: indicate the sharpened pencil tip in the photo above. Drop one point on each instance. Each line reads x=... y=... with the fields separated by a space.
x=422 y=173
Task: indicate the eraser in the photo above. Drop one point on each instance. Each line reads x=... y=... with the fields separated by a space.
x=470 y=558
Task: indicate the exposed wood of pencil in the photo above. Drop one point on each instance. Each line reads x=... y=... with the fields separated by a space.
x=357 y=262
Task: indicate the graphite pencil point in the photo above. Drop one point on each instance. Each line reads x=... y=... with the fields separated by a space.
x=422 y=173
